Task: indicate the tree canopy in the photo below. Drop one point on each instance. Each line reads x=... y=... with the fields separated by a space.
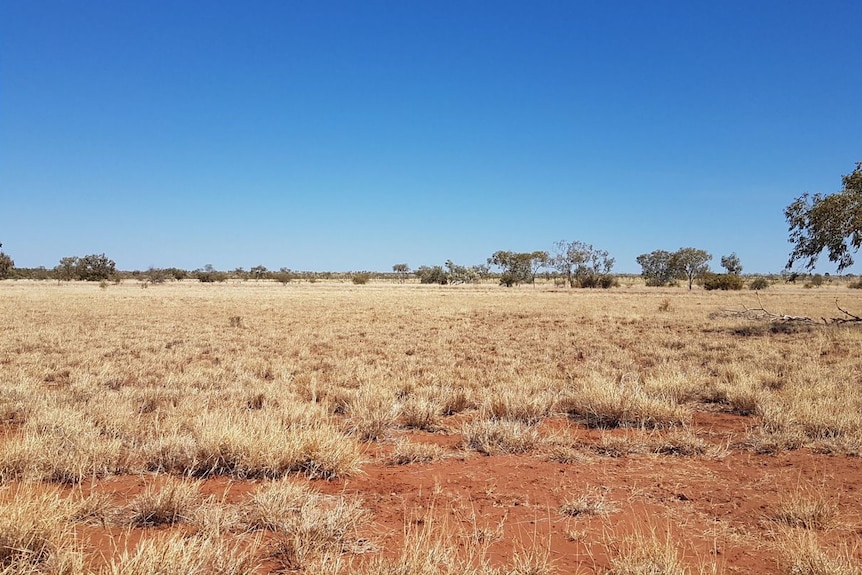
x=691 y=262
x=732 y=264
x=582 y=264
x=661 y=267
x=831 y=223
x=6 y=263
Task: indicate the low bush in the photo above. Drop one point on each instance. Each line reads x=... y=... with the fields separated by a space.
x=758 y=284
x=360 y=278
x=604 y=281
x=722 y=282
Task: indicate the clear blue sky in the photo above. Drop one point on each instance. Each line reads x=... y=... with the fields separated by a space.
x=323 y=135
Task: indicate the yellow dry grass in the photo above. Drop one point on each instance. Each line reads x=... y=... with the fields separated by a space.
x=262 y=381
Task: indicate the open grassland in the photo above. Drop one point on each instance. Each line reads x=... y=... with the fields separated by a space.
x=404 y=429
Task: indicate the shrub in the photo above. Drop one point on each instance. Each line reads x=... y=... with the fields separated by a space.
x=360 y=278
x=156 y=276
x=722 y=281
x=283 y=275
x=210 y=275
x=603 y=281
x=758 y=284
x=857 y=284
x=815 y=281
x=432 y=275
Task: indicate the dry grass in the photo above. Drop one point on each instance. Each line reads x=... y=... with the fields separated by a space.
x=802 y=554
x=36 y=534
x=406 y=452
x=308 y=525
x=589 y=503
x=180 y=555
x=599 y=402
x=648 y=552
x=173 y=501
x=493 y=436
x=807 y=508
x=95 y=383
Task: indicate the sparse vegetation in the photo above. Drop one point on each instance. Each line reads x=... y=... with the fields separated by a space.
x=239 y=428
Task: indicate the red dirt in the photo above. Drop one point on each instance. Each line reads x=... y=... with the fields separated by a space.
x=717 y=510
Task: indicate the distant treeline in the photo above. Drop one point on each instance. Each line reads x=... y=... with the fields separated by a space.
x=573 y=264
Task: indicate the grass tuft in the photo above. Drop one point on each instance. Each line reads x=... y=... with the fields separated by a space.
x=493 y=437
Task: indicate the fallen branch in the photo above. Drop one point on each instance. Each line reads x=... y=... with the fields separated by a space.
x=850 y=318
x=779 y=316
x=756 y=313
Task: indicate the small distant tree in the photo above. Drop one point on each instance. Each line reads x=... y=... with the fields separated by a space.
x=516 y=267
x=94 y=267
x=657 y=268
x=691 y=263
x=732 y=264
x=66 y=270
x=538 y=261
x=155 y=276
x=461 y=274
x=402 y=270
x=582 y=265
x=831 y=223
x=259 y=272
x=6 y=264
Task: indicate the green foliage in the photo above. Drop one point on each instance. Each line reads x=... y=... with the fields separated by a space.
x=758 y=284
x=658 y=268
x=156 y=276
x=662 y=268
x=209 y=275
x=6 y=265
x=691 y=263
x=66 y=269
x=583 y=265
x=722 y=281
x=732 y=264
x=461 y=274
x=432 y=275
x=176 y=273
x=94 y=267
x=831 y=223
x=518 y=267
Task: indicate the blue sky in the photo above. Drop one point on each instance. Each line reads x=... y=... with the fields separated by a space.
x=322 y=135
